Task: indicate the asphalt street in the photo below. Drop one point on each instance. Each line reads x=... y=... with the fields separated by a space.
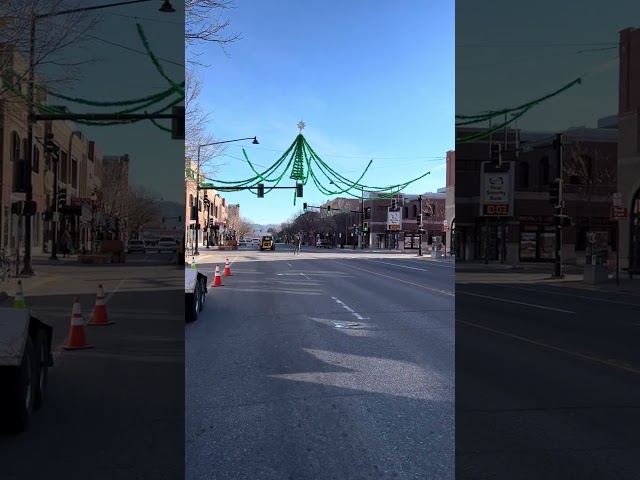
x=546 y=381
x=115 y=410
x=332 y=364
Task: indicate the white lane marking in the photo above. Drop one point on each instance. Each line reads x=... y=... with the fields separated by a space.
x=114 y=291
x=396 y=265
x=353 y=312
x=459 y=292
x=304 y=276
x=595 y=299
x=289 y=264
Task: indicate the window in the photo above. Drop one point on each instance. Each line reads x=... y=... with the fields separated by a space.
x=415 y=211
x=64 y=167
x=15 y=146
x=36 y=160
x=191 y=200
x=406 y=212
x=544 y=171
x=524 y=175
x=74 y=173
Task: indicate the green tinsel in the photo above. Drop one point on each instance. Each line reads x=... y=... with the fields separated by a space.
x=156 y=62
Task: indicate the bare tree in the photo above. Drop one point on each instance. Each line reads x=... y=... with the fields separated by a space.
x=206 y=22
x=242 y=226
x=196 y=121
x=143 y=208
x=588 y=174
x=114 y=189
x=54 y=35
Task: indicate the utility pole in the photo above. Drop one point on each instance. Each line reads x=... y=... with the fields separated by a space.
x=559 y=208
x=420 y=226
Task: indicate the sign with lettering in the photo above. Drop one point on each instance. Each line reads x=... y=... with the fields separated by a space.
x=394 y=219
x=496 y=189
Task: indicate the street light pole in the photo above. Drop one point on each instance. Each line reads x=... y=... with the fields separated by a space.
x=255 y=142
x=362 y=221
x=53 y=159
x=420 y=226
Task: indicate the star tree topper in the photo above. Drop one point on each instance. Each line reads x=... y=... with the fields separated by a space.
x=301 y=125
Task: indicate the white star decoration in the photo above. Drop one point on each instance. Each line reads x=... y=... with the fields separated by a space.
x=301 y=125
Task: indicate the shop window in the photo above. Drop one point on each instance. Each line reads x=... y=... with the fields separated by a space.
x=544 y=171
x=406 y=212
x=524 y=175
x=415 y=211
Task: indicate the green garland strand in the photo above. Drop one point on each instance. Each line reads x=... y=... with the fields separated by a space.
x=156 y=62
x=121 y=103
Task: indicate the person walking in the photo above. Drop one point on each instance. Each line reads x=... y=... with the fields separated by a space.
x=298 y=242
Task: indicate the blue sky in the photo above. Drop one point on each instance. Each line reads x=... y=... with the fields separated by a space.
x=120 y=73
x=369 y=79
x=552 y=43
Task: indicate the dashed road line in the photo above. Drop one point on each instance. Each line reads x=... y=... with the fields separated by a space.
x=353 y=312
x=498 y=299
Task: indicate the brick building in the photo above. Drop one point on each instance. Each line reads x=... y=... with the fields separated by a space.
x=216 y=213
x=79 y=166
x=629 y=146
x=450 y=202
x=589 y=160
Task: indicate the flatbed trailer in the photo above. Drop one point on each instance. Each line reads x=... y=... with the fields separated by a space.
x=195 y=291
x=25 y=358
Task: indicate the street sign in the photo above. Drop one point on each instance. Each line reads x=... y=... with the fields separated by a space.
x=617 y=199
x=394 y=219
x=496 y=189
x=618 y=213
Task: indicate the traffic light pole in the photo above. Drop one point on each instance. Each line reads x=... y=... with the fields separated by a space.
x=208 y=226
x=54 y=209
x=557 y=271
x=420 y=226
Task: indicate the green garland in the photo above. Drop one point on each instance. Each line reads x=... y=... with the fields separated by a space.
x=145 y=42
x=301 y=153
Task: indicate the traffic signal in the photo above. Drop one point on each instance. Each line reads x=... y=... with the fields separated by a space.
x=261 y=190
x=304 y=207
x=328 y=209
x=299 y=190
x=162 y=219
x=555 y=191
x=49 y=146
x=206 y=198
x=365 y=226
x=419 y=219
x=62 y=198
x=421 y=231
x=496 y=153
x=179 y=218
x=562 y=220
x=394 y=203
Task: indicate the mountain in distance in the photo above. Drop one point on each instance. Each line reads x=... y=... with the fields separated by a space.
x=262 y=229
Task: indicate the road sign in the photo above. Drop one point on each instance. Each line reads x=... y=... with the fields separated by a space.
x=617 y=199
x=496 y=189
x=618 y=213
x=394 y=219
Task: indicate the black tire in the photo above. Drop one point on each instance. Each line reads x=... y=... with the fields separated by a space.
x=203 y=293
x=192 y=305
x=20 y=394
x=42 y=376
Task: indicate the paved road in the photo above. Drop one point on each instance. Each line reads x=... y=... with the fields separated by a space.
x=116 y=410
x=322 y=366
x=547 y=382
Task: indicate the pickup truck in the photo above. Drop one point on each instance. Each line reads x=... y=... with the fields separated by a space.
x=25 y=357
x=195 y=290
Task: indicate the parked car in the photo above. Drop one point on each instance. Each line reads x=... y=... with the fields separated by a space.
x=167 y=244
x=136 y=246
x=323 y=244
x=244 y=243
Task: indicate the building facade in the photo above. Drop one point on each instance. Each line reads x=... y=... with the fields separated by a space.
x=528 y=235
x=450 y=202
x=629 y=146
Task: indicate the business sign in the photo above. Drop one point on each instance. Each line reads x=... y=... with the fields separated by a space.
x=496 y=189
x=618 y=213
x=616 y=198
x=394 y=219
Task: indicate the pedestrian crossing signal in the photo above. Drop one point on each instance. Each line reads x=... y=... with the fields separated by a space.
x=365 y=227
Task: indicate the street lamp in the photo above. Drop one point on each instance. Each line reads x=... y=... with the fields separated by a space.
x=254 y=142
x=31 y=113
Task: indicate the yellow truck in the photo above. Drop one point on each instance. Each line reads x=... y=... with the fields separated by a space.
x=267 y=243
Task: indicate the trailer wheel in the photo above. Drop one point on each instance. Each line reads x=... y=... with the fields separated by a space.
x=203 y=293
x=22 y=389
x=42 y=368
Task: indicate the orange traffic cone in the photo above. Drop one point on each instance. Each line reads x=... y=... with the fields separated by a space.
x=77 y=335
x=217 y=279
x=100 y=317
x=227 y=269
